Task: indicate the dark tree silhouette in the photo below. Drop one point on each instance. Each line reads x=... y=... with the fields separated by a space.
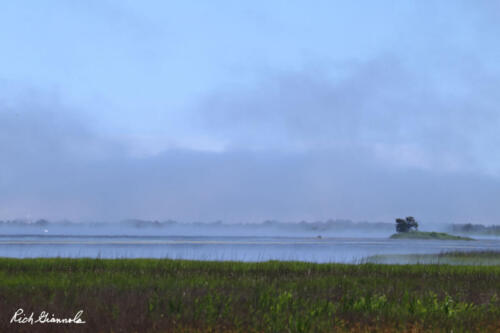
x=405 y=225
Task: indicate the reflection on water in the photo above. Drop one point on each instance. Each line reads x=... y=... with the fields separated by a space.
x=226 y=248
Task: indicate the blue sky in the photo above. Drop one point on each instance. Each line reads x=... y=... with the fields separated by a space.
x=96 y=94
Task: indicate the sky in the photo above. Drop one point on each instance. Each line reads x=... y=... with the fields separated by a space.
x=249 y=111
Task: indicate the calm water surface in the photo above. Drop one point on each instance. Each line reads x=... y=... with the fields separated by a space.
x=328 y=249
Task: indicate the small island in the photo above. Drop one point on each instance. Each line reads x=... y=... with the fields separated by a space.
x=408 y=229
x=428 y=235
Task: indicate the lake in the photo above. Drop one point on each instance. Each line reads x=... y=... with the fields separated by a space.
x=239 y=248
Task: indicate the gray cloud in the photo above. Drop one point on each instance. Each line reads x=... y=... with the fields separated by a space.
x=380 y=105
x=56 y=166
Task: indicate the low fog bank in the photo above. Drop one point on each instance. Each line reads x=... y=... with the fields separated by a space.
x=134 y=227
x=137 y=227
x=242 y=186
x=475 y=230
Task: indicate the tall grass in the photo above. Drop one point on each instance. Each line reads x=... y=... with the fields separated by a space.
x=141 y=295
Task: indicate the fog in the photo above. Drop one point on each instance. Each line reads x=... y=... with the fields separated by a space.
x=132 y=228
x=328 y=241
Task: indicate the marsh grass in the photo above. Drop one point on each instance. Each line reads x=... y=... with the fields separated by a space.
x=428 y=235
x=474 y=258
x=155 y=295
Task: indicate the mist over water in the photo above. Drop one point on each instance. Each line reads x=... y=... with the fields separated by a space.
x=128 y=228
x=331 y=241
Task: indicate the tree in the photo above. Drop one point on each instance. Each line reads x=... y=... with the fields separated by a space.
x=405 y=225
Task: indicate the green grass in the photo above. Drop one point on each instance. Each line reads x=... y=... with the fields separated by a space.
x=150 y=295
x=491 y=258
x=427 y=235
x=476 y=255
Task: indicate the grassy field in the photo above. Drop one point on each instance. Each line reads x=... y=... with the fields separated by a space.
x=428 y=235
x=146 y=295
x=483 y=258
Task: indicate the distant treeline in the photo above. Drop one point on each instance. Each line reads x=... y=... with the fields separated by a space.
x=339 y=224
x=476 y=229
x=37 y=223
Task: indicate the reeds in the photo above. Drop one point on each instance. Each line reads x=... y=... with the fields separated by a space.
x=141 y=295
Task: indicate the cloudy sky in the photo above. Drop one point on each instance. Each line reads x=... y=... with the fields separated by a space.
x=289 y=110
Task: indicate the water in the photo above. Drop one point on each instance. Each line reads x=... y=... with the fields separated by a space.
x=239 y=248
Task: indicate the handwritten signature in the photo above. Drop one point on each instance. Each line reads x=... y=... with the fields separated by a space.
x=44 y=317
